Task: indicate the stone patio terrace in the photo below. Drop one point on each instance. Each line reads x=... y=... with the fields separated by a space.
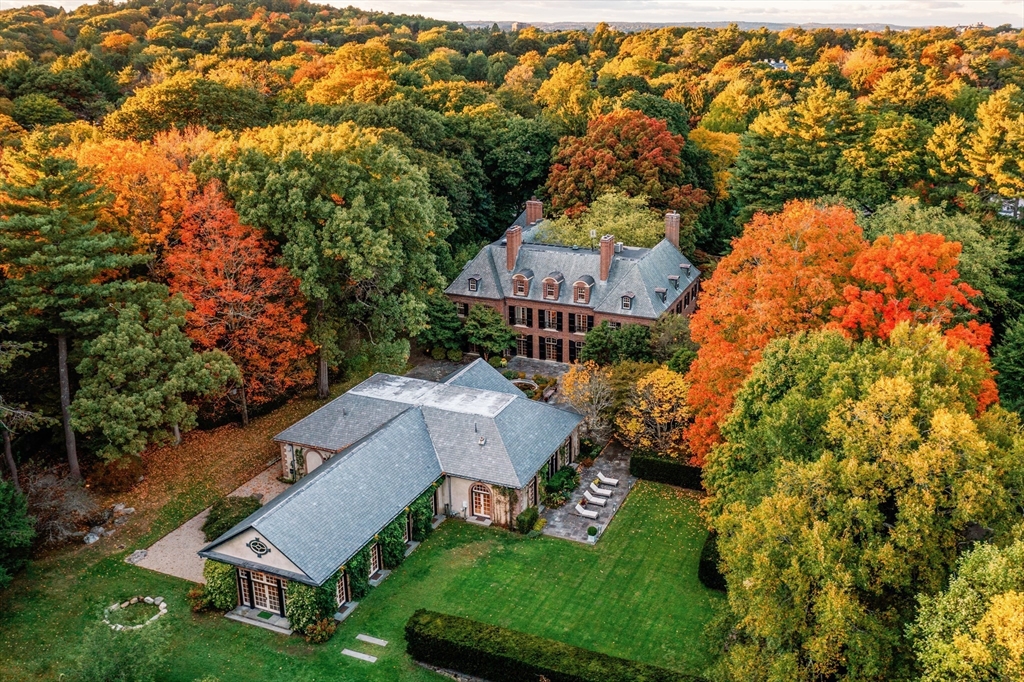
x=564 y=522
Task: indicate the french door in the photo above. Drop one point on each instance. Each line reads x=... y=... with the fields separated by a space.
x=262 y=591
x=374 y=559
x=481 y=501
x=342 y=590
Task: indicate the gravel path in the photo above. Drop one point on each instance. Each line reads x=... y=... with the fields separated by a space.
x=175 y=553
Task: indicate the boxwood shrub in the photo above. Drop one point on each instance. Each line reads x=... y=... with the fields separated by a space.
x=651 y=467
x=527 y=519
x=225 y=513
x=707 y=571
x=221 y=590
x=503 y=655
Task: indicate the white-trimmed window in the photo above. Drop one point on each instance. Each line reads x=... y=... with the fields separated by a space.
x=627 y=302
x=550 y=289
x=582 y=293
x=519 y=285
x=481 y=500
x=473 y=283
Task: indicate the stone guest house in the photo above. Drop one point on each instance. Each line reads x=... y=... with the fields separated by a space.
x=553 y=295
x=378 y=466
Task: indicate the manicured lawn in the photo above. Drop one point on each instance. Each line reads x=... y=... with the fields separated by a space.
x=634 y=595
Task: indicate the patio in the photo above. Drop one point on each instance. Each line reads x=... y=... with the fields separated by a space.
x=564 y=522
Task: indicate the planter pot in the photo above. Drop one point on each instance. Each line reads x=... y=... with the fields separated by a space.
x=592 y=539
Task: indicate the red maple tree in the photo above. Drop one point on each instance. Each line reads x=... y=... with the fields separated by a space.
x=623 y=151
x=243 y=303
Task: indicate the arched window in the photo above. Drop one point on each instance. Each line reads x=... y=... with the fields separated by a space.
x=481 y=500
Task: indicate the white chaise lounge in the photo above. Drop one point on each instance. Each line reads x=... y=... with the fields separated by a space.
x=591 y=499
x=586 y=513
x=599 y=491
x=607 y=481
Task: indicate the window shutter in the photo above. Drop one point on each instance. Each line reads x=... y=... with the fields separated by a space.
x=572 y=351
x=529 y=317
x=590 y=322
x=529 y=346
x=572 y=324
x=542 y=319
x=542 y=348
x=558 y=349
x=558 y=323
x=511 y=315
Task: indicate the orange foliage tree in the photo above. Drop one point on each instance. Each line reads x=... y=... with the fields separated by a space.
x=808 y=267
x=150 y=190
x=785 y=273
x=243 y=303
x=628 y=152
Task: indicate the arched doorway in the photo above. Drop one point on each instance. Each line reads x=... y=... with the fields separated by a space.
x=313 y=460
x=481 y=500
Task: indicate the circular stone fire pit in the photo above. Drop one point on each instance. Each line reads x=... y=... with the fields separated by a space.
x=524 y=384
x=155 y=601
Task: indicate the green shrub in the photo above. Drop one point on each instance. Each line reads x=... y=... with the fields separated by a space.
x=226 y=513
x=527 y=520
x=707 y=571
x=503 y=655
x=455 y=355
x=198 y=601
x=592 y=531
x=651 y=467
x=438 y=353
x=510 y=375
x=321 y=631
x=495 y=362
x=17 y=530
x=221 y=585
x=306 y=605
x=124 y=656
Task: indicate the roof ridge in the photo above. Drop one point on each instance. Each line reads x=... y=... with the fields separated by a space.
x=448 y=381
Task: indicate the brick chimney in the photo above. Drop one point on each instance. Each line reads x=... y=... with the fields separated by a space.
x=607 y=251
x=513 y=240
x=534 y=211
x=672 y=228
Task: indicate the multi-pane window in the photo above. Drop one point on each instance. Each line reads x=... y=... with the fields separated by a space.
x=581 y=294
x=521 y=315
x=262 y=590
x=520 y=286
x=550 y=290
x=627 y=303
x=574 y=350
x=463 y=309
x=552 y=349
x=473 y=283
x=523 y=344
x=580 y=323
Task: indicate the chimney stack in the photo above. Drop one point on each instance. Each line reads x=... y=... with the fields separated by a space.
x=534 y=211
x=607 y=250
x=513 y=240
x=672 y=228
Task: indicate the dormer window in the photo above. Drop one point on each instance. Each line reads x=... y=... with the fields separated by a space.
x=581 y=293
x=581 y=290
x=675 y=281
x=520 y=286
x=521 y=282
x=550 y=289
x=474 y=284
x=661 y=293
x=627 y=302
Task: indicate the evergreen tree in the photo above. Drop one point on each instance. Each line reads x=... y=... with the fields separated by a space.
x=444 y=329
x=1008 y=361
x=60 y=269
x=17 y=529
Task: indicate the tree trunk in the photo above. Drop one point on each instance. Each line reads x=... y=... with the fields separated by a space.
x=177 y=435
x=245 y=404
x=9 y=456
x=323 y=387
x=65 y=406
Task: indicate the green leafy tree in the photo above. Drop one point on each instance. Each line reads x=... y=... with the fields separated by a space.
x=444 y=328
x=125 y=656
x=607 y=346
x=849 y=475
x=972 y=630
x=628 y=218
x=599 y=346
x=138 y=377
x=14 y=417
x=567 y=98
x=17 y=529
x=486 y=329
x=358 y=225
x=39 y=110
x=1008 y=361
x=60 y=268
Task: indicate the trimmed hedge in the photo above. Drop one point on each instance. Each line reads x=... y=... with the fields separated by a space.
x=226 y=513
x=503 y=655
x=707 y=571
x=651 y=467
x=221 y=591
x=527 y=519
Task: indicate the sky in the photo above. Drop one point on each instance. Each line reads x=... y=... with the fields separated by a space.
x=894 y=12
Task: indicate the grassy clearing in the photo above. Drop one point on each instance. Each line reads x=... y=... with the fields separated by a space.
x=634 y=595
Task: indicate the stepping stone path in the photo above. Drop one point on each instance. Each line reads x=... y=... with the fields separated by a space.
x=362 y=657
x=156 y=601
x=372 y=640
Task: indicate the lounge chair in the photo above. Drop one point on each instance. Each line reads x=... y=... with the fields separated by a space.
x=586 y=513
x=599 y=501
x=600 y=491
x=607 y=481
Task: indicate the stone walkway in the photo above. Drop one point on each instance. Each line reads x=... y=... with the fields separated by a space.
x=175 y=553
x=565 y=522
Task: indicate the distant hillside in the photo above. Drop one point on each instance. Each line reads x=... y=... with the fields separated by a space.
x=636 y=26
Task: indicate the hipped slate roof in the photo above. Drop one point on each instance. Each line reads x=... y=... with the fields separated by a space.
x=634 y=270
x=475 y=425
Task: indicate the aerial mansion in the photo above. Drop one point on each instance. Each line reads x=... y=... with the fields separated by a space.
x=385 y=460
x=553 y=295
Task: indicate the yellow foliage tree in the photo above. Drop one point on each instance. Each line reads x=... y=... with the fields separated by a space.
x=587 y=387
x=724 y=148
x=656 y=413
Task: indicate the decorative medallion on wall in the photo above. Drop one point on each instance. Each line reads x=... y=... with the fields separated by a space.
x=258 y=547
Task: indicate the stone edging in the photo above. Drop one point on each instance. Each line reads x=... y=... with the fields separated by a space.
x=157 y=601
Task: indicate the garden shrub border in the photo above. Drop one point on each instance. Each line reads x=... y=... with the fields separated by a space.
x=652 y=467
x=707 y=571
x=502 y=655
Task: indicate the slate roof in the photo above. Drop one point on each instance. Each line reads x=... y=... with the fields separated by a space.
x=637 y=270
x=474 y=425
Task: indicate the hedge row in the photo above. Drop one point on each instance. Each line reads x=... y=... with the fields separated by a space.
x=503 y=655
x=707 y=571
x=651 y=467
